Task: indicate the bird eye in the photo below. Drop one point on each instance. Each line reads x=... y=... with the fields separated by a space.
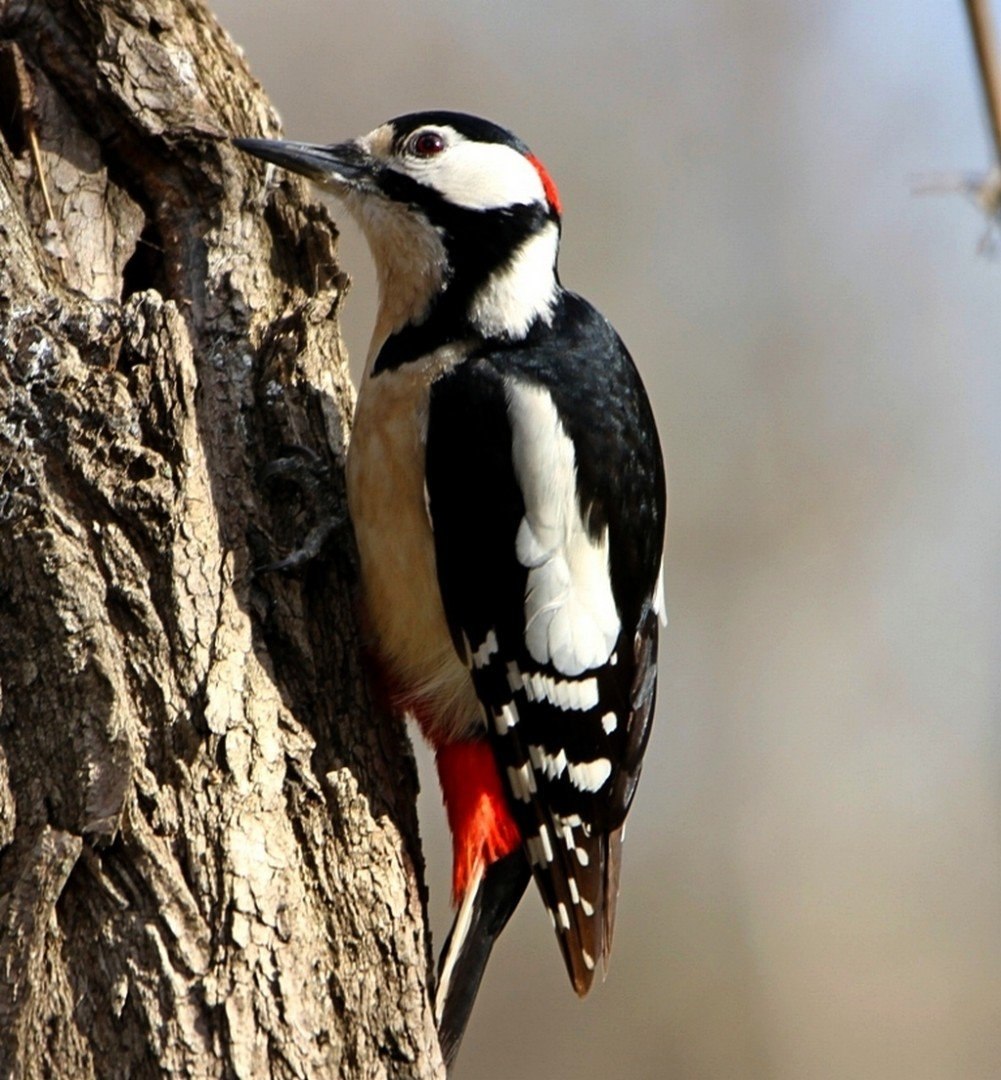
x=426 y=144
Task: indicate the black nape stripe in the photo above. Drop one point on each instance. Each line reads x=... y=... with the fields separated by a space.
x=478 y=244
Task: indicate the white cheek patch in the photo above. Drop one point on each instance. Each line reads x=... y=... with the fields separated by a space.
x=570 y=616
x=525 y=290
x=479 y=176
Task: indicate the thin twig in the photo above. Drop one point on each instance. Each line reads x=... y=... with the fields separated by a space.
x=36 y=156
x=982 y=28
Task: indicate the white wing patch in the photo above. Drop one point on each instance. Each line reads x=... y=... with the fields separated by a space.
x=570 y=616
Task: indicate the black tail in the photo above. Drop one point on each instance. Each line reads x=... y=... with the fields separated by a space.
x=489 y=902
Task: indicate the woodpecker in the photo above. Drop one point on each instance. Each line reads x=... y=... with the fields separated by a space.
x=507 y=491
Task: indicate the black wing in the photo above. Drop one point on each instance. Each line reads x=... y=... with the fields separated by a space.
x=568 y=714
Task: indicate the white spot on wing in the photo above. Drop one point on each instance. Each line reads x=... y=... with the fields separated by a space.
x=522 y=782
x=589 y=775
x=566 y=694
x=609 y=722
x=550 y=765
x=547 y=847
x=564 y=918
x=540 y=851
x=506 y=718
x=482 y=655
x=570 y=616
x=588 y=959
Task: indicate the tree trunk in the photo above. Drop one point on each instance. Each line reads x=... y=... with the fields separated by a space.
x=209 y=860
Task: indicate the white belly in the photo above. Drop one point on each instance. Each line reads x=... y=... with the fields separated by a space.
x=386 y=498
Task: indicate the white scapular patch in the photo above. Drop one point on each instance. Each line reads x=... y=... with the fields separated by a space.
x=609 y=722
x=513 y=298
x=522 y=781
x=506 y=718
x=570 y=616
x=482 y=655
x=589 y=775
x=550 y=765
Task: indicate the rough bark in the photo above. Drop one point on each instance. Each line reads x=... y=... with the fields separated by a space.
x=209 y=862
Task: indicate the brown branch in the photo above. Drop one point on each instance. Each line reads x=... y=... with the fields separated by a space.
x=985 y=44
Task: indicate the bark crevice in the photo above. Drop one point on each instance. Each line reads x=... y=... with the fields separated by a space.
x=209 y=859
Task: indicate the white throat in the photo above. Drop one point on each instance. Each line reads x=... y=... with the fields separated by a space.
x=410 y=263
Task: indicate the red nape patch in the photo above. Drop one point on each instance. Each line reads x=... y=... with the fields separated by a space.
x=552 y=195
x=483 y=829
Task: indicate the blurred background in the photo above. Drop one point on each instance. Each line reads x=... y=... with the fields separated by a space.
x=812 y=885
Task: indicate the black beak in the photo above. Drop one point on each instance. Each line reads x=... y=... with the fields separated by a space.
x=345 y=163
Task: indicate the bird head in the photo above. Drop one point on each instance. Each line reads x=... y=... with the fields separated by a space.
x=456 y=210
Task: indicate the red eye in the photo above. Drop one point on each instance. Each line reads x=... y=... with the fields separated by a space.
x=427 y=144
